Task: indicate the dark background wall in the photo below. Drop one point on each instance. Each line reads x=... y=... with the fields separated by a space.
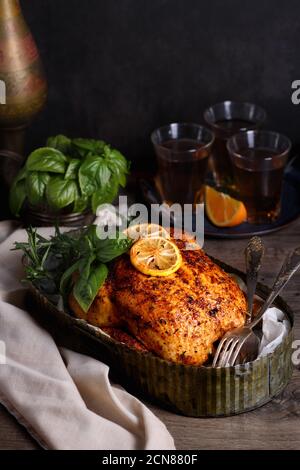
x=119 y=68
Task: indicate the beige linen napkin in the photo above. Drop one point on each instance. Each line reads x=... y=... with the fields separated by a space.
x=64 y=399
x=275 y=325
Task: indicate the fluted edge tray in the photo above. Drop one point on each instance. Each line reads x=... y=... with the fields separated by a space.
x=188 y=390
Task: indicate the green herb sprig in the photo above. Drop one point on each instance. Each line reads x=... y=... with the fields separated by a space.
x=77 y=173
x=51 y=264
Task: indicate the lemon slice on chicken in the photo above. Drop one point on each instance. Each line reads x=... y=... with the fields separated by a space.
x=135 y=232
x=155 y=256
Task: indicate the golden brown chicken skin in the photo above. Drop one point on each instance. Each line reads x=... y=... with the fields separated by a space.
x=177 y=317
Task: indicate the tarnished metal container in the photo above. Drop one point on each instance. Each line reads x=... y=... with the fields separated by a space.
x=189 y=390
x=44 y=217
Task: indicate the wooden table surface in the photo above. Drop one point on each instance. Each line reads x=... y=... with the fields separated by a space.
x=274 y=426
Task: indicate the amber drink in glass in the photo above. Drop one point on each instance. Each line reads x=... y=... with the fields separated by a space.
x=258 y=159
x=182 y=152
x=226 y=119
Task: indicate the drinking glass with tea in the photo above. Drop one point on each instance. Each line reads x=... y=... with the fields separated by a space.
x=183 y=152
x=259 y=159
x=226 y=119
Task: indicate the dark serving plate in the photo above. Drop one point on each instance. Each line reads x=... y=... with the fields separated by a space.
x=289 y=213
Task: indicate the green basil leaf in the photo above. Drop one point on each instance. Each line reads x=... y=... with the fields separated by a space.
x=89 y=174
x=17 y=197
x=89 y=282
x=66 y=277
x=109 y=249
x=117 y=159
x=83 y=147
x=91 y=235
x=61 y=143
x=60 y=192
x=118 y=165
x=104 y=174
x=21 y=175
x=47 y=159
x=72 y=170
x=36 y=183
x=85 y=246
x=80 y=205
x=105 y=195
x=122 y=179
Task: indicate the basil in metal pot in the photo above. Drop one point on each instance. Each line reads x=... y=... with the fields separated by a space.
x=78 y=174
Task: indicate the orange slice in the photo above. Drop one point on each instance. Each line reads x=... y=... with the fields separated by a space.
x=223 y=210
x=135 y=232
x=155 y=256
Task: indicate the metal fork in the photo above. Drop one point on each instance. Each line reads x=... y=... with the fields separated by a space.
x=253 y=256
x=243 y=341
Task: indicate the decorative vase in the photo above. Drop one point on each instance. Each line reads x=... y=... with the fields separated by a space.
x=23 y=88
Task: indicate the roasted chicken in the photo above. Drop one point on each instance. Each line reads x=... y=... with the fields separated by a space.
x=178 y=317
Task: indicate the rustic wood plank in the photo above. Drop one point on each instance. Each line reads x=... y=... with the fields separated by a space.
x=13 y=435
x=274 y=426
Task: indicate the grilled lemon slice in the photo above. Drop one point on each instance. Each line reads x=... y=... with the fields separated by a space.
x=155 y=256
x=135 y=232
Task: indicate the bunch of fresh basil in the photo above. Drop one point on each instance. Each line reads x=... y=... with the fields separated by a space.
x=52 y=263
x=76 y=173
